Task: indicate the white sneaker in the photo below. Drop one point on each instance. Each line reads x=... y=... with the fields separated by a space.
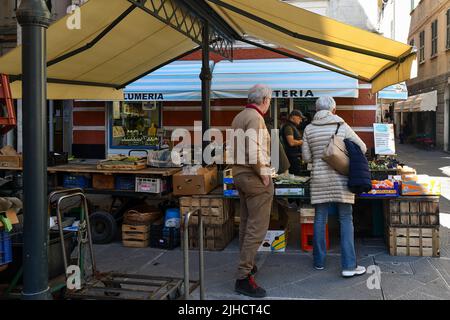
x=356 y=272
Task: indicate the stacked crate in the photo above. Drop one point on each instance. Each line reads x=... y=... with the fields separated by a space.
x=218 y=221
x=412 y=226
x=136 y=226
x=135 y=236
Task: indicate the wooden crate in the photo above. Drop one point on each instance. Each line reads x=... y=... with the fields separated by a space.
x=215 y=211
x=103 y=182
x=136 y=236
x=413 y=212
x=11 y=161
x=215 y=237
x=416 y=242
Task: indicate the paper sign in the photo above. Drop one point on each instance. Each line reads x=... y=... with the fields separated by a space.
x=384 y=139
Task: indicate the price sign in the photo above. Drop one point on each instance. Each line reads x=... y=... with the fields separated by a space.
x=384 y=139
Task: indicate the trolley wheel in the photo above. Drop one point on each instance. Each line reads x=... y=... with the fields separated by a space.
x=103 y=227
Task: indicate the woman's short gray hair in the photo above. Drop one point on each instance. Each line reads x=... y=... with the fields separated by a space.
x=258 y=92
x=325 y=103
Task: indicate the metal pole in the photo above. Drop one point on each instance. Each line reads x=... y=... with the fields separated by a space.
x=186 y=255
x=274 y=114
x=51 y=131
x=201 y=256
x=34 y=18
x=206 y=77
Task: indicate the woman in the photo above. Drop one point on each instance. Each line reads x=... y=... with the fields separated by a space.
x=329 y=188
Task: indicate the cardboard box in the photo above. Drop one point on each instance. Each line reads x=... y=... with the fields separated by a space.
x=202 y=183
x=11 y=161
x=276 y=237
x=424 y=186
x=307 y=214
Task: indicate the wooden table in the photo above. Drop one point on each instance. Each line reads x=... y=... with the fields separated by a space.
x=92 y=168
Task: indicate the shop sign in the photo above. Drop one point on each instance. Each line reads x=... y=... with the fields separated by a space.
x=293 y=94
x=384 y=139
x=144 y=96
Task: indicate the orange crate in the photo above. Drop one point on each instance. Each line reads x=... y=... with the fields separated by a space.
x=307 y=234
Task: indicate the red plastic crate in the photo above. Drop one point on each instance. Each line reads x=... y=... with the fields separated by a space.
x=307 y=234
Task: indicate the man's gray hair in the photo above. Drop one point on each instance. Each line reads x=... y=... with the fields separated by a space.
x=325 y=103
x=258 y=92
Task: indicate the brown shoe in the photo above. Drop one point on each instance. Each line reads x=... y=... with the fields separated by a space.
x=249 y=288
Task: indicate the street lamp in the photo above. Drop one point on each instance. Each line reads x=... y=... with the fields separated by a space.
x=34 y=18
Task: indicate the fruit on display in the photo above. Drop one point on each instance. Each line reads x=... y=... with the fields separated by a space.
x=384 y=164
x=385 y=184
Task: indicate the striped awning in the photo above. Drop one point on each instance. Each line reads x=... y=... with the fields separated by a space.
x=178 y=81
x=288 y=78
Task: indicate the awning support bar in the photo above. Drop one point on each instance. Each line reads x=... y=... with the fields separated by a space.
x=157 y=67
x=302 y=36
x=314 y=63
x=71 y=82
x=95 y=41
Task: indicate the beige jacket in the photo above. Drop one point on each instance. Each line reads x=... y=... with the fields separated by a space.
x=248 y=145
x=327 y=185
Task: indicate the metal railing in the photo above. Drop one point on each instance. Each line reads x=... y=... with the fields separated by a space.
x=186 y=254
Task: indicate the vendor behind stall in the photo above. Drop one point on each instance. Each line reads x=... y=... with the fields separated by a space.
x=291 y=138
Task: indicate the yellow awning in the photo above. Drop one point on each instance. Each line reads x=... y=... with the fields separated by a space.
x=381 y=61
x=140 y=43
x=137 y=44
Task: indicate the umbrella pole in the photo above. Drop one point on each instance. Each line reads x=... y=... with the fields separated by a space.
x=34 y=18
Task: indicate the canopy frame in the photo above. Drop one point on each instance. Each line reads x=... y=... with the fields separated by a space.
x=194 y=31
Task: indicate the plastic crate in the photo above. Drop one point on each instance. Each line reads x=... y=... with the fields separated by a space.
x=383 y=193
x=5 y=248
x=76 y=181
x=125 y=183
x=164 y=237
x=151 y=185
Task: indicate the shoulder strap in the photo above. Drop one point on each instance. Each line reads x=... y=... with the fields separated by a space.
x=337 y=130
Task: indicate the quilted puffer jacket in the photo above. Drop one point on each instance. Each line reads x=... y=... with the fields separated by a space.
x=327 y=185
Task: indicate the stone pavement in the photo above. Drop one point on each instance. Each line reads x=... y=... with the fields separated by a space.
x=290 y=275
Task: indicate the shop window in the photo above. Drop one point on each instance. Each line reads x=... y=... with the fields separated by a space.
x=422 y=47
x=448 y=29
x=135 y=125
x=434 y=38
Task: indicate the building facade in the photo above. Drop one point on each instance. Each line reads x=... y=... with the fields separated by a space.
x=430 y=34
x=359 y=13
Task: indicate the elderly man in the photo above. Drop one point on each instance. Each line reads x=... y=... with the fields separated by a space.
x=254 y=183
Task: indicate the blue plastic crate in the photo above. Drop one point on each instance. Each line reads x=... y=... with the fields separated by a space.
x=76 y=181
x=5 y=248
x=125 y=183
x=228 y=180
x=231 y=193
